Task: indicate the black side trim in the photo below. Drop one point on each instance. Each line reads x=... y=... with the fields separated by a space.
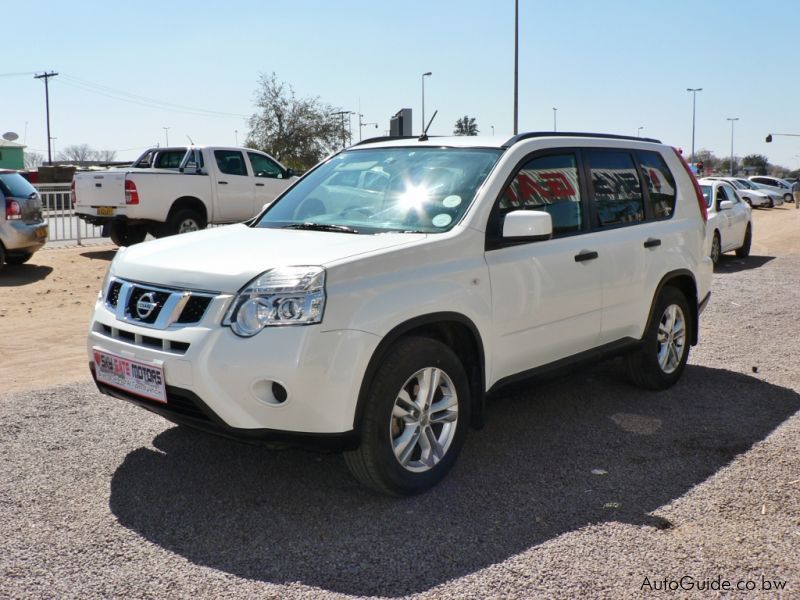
x=186 y=408
x=605 y=136
x=565 y=364
x=478 y=384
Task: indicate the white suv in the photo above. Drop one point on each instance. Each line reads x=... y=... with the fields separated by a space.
x=376 y=318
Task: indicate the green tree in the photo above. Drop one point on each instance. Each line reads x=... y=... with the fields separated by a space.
x=759 y=161
x=725 y=166
x=466 y=126
x=299 y=132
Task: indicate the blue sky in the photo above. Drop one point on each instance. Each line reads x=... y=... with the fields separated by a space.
x=607 y=66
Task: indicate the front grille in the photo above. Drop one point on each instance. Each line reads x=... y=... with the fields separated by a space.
x=146 y=341
x=156 y=307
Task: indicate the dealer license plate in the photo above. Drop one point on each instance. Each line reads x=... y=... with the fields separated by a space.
x=41 y=232
x=140 y=378
x=105 y=211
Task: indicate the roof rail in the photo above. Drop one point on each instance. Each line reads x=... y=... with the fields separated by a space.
x=387 y=138
x=606 y=136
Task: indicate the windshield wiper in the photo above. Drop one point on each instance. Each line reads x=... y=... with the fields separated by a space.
x=321 y=227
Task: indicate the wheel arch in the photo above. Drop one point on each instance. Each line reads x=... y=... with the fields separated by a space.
x=188 y=202
x=455 y=330
x=683 y=280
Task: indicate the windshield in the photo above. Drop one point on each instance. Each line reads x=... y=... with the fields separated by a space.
x=15 y=185
x=387 y=189
x=745 y=184
x=737 y=184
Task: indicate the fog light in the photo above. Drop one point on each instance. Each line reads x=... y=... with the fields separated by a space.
x=270 y=392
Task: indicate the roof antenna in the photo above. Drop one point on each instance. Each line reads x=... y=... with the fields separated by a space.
x=190 y=140
x=424 y=136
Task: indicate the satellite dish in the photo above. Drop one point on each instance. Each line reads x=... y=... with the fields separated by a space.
x=10 y=136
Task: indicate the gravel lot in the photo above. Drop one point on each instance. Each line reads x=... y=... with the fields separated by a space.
x=577 y=487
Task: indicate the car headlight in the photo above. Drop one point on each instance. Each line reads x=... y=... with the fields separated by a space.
x=278 y=297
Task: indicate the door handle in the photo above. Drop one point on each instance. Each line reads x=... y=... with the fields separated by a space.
x=222 y=182
x=652 y=243
x=586 y=255
x=259 y=185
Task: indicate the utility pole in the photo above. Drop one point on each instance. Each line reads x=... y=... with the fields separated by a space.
x=46 y=76
x=342 y=114
x=516 y=67
x=166 y=133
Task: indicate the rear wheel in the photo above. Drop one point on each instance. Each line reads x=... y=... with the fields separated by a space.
x=415 y=419
x=744 y=251
x=127 y=235
x=716 y=248
x=18 y=259
x=660 y=360
x=2 y=256
x=185 y=221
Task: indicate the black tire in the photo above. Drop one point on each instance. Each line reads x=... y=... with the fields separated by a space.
x=185 y=221
x=18 y=259
x=788 y=198
x=716 y=248
x=646 y=366
x=2 y=256
x=127 y=235
x=744 y=251
x=375 y=462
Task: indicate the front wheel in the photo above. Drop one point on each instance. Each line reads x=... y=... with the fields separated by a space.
x=415 y=419
x=744 y=250
x=659 y=362
x=18 y=259
x=127 y=235
x=716 y=248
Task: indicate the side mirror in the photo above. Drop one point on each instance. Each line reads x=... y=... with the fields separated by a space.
x=290 y=172
x=725 y=205
x=533 y=225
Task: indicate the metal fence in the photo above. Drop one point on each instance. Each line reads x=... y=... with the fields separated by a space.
x=57 y=208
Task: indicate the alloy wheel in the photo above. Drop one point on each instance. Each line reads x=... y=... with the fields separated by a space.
x=671 y=338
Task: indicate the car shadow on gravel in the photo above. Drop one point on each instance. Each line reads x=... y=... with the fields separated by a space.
x=100 y=254
x=734 y=264
x=17 y=275
x=296 y=516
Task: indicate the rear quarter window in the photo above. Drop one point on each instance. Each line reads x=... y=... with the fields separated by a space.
x=660 y=183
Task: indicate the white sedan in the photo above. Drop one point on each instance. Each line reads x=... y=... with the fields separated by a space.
x=749 y=192
x=730 y=225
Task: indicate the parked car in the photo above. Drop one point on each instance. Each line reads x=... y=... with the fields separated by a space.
x=774 y=184
x=175 y=190
x=750 y=193
x=730 y=222
x=22 y=228
x=376 y=317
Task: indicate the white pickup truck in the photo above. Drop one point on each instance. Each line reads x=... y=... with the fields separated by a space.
x=178 y=189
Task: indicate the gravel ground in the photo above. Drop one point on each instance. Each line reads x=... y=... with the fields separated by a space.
x=577 y=487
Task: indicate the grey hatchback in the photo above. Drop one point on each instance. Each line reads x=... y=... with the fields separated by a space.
x=22 y=228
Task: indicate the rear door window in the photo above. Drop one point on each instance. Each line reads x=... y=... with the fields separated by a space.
x=616 y=190
x=230 y=162
x=169 y=159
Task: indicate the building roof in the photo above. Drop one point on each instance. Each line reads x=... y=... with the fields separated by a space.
x=8 y=144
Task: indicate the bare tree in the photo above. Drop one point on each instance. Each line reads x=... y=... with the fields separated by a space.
x=105 y=155
x=77 y=153
x=33 y=160
x=297 y=131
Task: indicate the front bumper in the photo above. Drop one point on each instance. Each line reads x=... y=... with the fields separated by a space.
x=223 y=382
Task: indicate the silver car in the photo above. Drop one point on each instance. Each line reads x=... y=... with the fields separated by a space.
x=22 y=228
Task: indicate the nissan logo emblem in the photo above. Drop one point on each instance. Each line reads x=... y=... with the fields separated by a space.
x=146 y=305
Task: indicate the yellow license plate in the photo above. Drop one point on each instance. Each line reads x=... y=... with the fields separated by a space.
x=41 y=232
x=105 y=211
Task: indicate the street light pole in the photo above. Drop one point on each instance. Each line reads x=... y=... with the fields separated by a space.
x=732 y=120
x=694 y=96
x=516 y=67
x=639 y=131
x=166 y=133
x=424 y=75
x=555 y=110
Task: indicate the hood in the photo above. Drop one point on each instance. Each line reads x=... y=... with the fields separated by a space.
x=223 y=259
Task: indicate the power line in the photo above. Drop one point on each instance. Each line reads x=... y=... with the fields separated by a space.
x=109 y=92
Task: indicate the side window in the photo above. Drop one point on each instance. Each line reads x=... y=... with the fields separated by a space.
x=617 y=192
x=549 y=184
x=660 y=183
x=264 y=167
x=230 y=162
x=145 y=161
x=169 y=159
x=721 y=195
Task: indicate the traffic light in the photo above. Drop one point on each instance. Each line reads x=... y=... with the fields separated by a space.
x=769 y=138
